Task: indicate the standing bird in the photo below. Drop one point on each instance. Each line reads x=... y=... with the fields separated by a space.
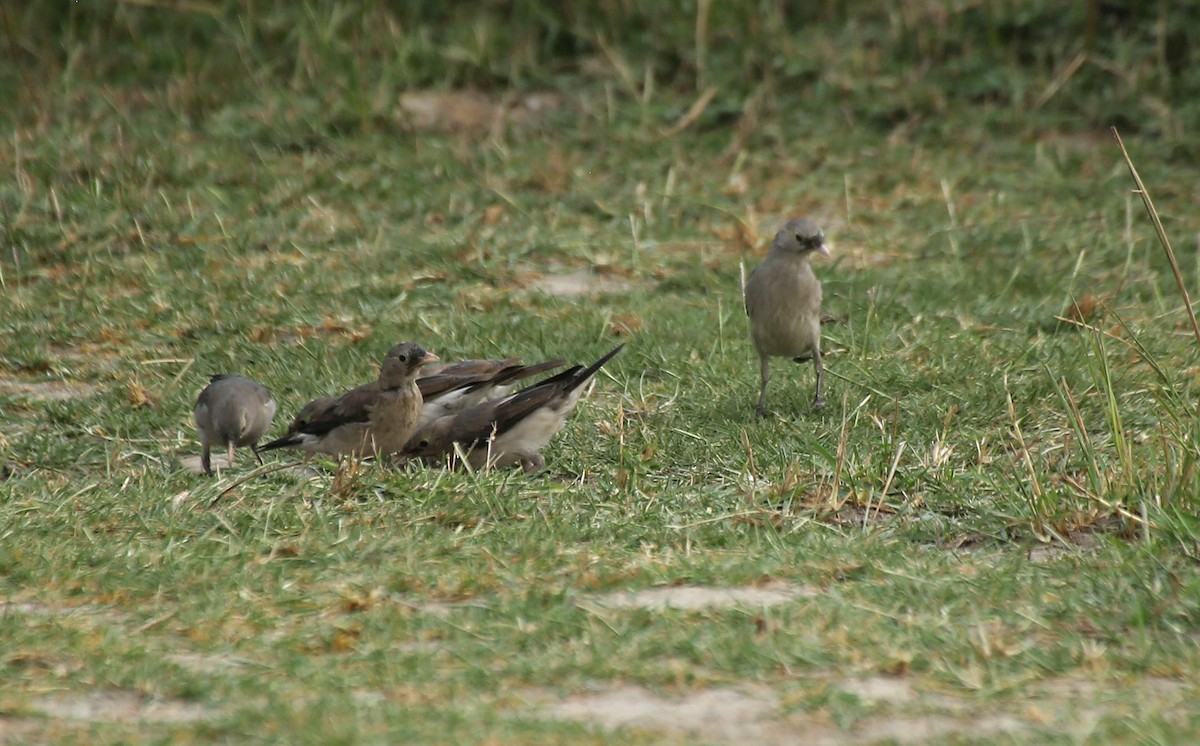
x=783 y=300
x=512 y=430
x=232 y=411
x=373 y=419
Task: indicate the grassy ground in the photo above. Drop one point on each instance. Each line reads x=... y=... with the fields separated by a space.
x=988 y=535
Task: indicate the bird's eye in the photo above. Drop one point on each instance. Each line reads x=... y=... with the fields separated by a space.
x=799 y=238
x=402 y=358
x=422 y=443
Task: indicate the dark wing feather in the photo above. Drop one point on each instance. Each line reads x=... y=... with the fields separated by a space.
x=322 y=415
x=474 y=374
x=472 y=367
x=509 y=412
x=517 y=372
x=442 y=383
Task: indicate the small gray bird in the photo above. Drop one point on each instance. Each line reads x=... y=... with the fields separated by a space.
x=783 y=300
x=376 y=418
x=513 y=430
x=232 y=411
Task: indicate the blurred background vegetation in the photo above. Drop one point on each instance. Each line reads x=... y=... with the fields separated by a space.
x=1077 y=65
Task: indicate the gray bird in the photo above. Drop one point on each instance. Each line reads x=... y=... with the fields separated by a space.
x=376 y=418
x=232 y=411
x=512 y=430
x=783 y=300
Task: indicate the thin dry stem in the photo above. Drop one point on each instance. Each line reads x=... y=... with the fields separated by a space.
x=1039 y=526
x=693 y=113
x=254 y=474
x=750 y=465
x=1114 y=507
x=843 y=442
x=1060 y=80
x=702 y=9
x=1162 y=234
x=887 y=484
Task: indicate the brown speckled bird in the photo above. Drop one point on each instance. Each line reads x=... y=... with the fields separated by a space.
x=374 y=419
x=783 y=300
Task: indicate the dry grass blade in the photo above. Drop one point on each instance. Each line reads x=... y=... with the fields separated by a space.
x=702 y=11
x=887 y=485
x=254 y=474
x=835 y=498
x=1117 y=508
x=1162 y=234
x=1060 y=80
x=693 y=113
x=1037 y=500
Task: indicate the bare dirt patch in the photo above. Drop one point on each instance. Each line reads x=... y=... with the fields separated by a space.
x=751 y=715
x=1080 y=541
x=920 y=729
x=20 y=730
x=582 y=282
x=34 y=608
x=891 y=690
x=220 y=463
x=47 y=390
x=82 y=615
x=902 y=711
x=717 y=715
x=475 y=111
x=120 y=706
x=694 y=598
x=1149 y=694
x=208 y=663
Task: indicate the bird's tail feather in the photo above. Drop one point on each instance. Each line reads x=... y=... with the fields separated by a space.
x=583 y=375
x=284 y=442
x=517 y=372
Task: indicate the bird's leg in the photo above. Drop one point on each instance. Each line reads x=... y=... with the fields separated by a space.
x=229 y=453
x=532 y=463
x=761 y=409
x=257 y=455
x=819 y=400
x=206 y=459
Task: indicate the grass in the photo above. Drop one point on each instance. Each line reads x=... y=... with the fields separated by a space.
x=996 y=510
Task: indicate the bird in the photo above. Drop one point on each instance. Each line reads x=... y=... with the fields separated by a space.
x=452 y=388
x=783 y=301
x=232 y=411
x=508 y=431
x=375 y=418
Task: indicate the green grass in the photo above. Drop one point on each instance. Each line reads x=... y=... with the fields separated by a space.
x=167 y=213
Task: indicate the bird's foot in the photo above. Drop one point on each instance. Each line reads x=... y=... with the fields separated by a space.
x=532 y=464
x=762 y=412
x=818 y=403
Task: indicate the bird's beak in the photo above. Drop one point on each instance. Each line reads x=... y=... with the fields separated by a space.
x=431 y=358
x=823 y=250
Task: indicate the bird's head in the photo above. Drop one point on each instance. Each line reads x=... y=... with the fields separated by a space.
x=800 y=236
x=404 y=360
x=411 y=353
x=432 y=439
